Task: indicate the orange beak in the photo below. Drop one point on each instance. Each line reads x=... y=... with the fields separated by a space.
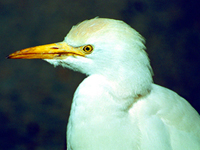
x=50 y=51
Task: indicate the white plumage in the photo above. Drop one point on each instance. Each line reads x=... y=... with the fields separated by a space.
x=118 y=107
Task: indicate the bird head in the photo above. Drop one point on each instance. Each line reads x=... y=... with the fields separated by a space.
x=98 y=46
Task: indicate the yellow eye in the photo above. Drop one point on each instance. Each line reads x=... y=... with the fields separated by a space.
x=88 y=49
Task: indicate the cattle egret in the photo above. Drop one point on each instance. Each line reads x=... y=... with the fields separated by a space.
x=118 y=107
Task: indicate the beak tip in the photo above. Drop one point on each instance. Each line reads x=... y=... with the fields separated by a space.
x=8 y=57
x=12 y=56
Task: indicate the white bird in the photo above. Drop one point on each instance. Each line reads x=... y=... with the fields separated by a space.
x=118 y=107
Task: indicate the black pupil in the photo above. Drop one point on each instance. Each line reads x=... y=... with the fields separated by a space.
x=87 y=48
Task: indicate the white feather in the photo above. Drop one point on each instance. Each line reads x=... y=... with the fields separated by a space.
x=117 y=107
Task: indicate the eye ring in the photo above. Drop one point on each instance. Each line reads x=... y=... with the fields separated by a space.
x=88 y=49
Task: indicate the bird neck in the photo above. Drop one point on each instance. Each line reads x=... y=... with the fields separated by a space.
x=130 y=82
x=123 y=90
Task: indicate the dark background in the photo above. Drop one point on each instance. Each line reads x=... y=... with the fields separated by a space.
x=35 y=97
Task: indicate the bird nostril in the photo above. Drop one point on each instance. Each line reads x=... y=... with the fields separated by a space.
x=54 y=48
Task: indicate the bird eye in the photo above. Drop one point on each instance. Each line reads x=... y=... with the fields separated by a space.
x=88 y=49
